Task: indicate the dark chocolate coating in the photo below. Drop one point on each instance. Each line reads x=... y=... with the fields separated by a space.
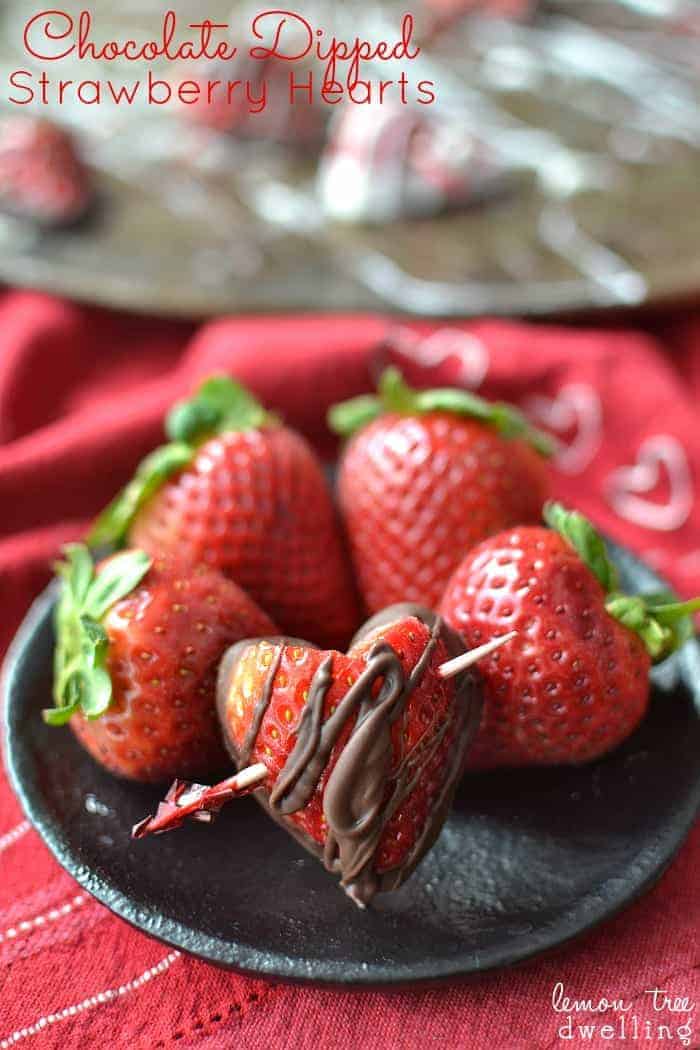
x=355 y=804
x=471 y=680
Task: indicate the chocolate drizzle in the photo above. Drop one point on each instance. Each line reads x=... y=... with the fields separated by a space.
x=354 y=799
x=354 y=793
x=242 y=755
x=361 y=793
x=297 y=781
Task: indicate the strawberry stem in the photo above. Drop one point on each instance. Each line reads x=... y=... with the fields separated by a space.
x=198 y=801
x=395 y=395
x=219 y=405
x=662 y=622
x=674 y=611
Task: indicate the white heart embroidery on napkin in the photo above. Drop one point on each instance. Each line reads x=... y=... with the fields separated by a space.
x=576 y=408
x=443 y=345
x=627 y=486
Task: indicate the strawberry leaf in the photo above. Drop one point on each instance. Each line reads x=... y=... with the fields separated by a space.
x=89 y=690
x=668 y=610
x=675 y=617
x=81 y=680
x=58 y=716
x=187 y=419
x=395 y=395
x=662 y=622
x=588 y=543
x=118 y=577
x=220 y=404
x=97 y=694
x=347 y=417
x=94 y=634
x=115 y=520
x=632 y=611
x=78 y=570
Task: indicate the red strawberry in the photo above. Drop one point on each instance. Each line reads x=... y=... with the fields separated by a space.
x=575 y=682
x=359 y=752
x=41 y=175
x=240 y=492
x=138 y=647
x=430 y=474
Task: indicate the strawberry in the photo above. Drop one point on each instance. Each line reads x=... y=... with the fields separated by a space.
x=41 y=175
x=575 y=682
x=237 y=490
x=428 y=475
x=138 y=646
x=356 y=755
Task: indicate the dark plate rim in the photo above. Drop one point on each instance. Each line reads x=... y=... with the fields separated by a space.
x=247 y=959
x=663 y=295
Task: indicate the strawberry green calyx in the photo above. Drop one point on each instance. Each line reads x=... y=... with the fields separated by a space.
x=394 y=395
x=589 y=544
x=662 y=622
x=81 y=681
x=219 y=405
x=112 y=525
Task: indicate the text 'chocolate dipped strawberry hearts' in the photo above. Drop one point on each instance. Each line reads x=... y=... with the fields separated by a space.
x=356 y=754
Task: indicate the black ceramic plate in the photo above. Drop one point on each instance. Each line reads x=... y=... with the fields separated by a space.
x=526 y=861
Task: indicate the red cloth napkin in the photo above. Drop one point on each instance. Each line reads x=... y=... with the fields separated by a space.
x=82 y=394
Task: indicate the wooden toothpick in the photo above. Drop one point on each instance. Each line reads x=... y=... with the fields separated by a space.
x=465 y=660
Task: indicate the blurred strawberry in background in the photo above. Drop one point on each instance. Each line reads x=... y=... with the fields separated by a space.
x=446 y=11
x=42 y=176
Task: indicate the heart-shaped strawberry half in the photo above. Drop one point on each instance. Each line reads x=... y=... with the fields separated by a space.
x=356 y=754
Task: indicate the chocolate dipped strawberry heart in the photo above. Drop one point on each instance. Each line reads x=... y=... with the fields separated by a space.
x=363 y=750
x=356 y=754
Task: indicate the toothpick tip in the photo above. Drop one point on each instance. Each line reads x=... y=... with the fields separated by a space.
x=465 y=660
